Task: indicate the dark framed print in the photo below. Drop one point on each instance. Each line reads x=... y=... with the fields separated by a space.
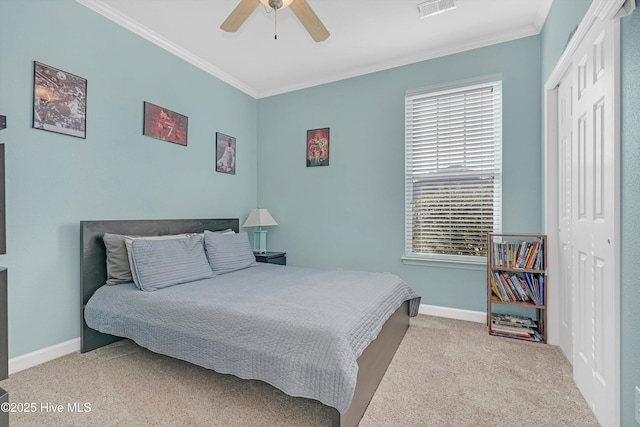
x=162 y=123
x=59 y=101
x=318 y=147
x=225 y=153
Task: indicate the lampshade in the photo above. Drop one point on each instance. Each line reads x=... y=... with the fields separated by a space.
x=276 y=3
x=259 y=218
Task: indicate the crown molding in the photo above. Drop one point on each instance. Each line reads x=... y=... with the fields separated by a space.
x=543 y=12
x=144 y=32
x=407 y=60
x=108 y=12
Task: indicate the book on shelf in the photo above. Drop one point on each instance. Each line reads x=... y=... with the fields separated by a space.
x=531 y=255
x=515 y=326
x=534 y=337
x=525 y=254
x=539 y=259
x=518 y=286
x=512 y=319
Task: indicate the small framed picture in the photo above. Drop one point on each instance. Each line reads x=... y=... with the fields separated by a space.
x=318 y=147
x=225 y=153
x=59 y=101
x=162 y=123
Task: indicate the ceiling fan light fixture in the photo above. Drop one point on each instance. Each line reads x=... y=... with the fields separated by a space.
x=435 y=7
x=300 y=9
x=276 y=4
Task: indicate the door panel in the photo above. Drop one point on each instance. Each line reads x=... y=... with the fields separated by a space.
x=565 y=212
x=588 y=220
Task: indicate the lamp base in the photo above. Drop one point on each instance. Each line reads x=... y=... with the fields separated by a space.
x=260 y=241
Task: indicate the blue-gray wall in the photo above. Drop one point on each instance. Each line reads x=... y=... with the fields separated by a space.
x=347 y=215
x=562 y=20
x=350 y=214
x=53 y=181
x=630 y=197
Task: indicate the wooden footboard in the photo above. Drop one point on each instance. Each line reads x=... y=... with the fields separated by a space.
x=372 y=365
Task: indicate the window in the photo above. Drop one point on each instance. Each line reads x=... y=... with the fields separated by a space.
x=453 y=170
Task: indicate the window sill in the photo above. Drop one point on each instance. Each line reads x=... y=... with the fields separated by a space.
x=462 y=263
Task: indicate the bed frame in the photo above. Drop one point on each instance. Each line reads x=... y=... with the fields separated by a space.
x=372 y=364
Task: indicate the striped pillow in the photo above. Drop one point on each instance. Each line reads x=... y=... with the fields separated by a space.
x=128 y=240
x=228 y=252
x=162 y=263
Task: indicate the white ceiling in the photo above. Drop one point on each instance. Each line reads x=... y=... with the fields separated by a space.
x=366 y=36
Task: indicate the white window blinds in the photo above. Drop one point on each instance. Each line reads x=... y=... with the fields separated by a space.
x=453 y=169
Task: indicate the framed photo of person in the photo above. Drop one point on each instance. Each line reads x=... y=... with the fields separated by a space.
x=59 y=101
x=225 y=153
x=318 y=147
x=162 y=123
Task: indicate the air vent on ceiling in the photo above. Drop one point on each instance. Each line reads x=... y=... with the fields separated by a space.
x=434 y=7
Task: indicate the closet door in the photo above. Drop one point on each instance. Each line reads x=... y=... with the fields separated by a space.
x=565 y=191
x=588 y=219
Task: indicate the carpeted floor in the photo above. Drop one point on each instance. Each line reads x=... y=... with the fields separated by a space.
x=445 y=373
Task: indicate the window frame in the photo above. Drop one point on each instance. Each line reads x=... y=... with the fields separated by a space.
x=439 y=259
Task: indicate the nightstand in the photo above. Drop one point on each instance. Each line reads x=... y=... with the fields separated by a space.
x=272 y=257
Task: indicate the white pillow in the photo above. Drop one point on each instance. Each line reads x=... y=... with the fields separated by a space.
x=227 y=231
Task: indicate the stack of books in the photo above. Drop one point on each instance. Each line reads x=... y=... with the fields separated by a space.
x=518 y=287
x=508 y=325
x=525 y=255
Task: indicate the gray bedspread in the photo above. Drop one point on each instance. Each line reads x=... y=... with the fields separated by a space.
x=298 y=329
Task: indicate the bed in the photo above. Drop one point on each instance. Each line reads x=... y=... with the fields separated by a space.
x=366 y=339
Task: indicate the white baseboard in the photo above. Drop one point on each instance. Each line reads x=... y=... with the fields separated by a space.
x=37 y=357
x=453 y=313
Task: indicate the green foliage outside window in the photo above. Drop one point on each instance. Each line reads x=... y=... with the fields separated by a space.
x=453 y=219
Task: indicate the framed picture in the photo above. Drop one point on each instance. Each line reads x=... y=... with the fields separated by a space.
x=162 y=123
x=318 y=147
x=59 y=101
x=225 y=153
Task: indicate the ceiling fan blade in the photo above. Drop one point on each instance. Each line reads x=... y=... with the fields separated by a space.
x=240 y=14
x=310 y=20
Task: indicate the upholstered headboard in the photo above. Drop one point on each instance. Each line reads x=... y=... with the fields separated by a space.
x=93 y=268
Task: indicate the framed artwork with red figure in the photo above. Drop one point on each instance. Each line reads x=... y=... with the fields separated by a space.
x=162 y=123
x=318 y=147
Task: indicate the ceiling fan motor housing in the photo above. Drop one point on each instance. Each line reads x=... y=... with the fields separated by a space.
x=300 y=8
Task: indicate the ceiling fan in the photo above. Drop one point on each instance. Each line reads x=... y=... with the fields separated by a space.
x=300 y=8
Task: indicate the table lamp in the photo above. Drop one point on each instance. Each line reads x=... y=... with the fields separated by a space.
x=259 y=218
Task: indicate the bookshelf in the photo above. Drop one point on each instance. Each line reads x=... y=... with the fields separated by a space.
x=517 y=286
